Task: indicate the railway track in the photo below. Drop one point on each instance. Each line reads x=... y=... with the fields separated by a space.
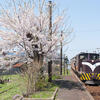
x=93 y=90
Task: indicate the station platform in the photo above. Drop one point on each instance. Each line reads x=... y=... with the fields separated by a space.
x=71 y=89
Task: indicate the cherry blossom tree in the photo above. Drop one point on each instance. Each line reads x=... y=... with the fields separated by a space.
x=24 y=24
x=24 y=28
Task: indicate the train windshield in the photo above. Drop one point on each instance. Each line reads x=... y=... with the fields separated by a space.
x=94 y=57
x=89 y=56
x=83 y=56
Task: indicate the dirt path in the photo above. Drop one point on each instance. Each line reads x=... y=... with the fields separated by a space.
x=71 y=89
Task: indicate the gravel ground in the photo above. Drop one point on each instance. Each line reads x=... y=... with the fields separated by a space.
x=95 y=91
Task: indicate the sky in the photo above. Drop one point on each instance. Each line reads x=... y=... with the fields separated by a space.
x=85 y=20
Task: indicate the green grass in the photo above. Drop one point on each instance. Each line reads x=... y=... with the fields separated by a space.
x=42 y=94
x=54 y=77
x=12 y=86
x=17 y=88
x=47 y=93
x=10 y=93
x=66 y=71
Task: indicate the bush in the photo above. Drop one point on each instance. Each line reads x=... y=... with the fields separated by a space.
x=54 y=77
x=41 y=82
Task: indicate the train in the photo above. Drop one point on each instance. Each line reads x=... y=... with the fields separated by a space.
x=87 y=67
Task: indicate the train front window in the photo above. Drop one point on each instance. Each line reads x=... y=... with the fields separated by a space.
x=94 y=57
x=83 y=57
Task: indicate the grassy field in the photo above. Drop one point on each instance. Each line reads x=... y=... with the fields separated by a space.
x=67 y=71
x=8 y=90
x=14 y=86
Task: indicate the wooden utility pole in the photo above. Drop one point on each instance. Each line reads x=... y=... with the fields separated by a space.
x=50 y=17
x=50 y=28
x=64 y=64
x=61 y=56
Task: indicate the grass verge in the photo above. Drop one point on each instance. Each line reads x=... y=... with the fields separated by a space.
x=67 y=72
x=13 y=87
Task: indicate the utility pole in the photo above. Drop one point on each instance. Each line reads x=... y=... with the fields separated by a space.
x=61 y=56
x=50 y=28
x=64 y=64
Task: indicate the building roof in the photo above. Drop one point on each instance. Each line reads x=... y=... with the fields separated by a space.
x=18 y=65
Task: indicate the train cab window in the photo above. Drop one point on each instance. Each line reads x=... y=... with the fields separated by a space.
x=83 y=57
x=94 y=57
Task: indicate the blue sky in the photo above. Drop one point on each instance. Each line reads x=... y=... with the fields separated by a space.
x=85 y=19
